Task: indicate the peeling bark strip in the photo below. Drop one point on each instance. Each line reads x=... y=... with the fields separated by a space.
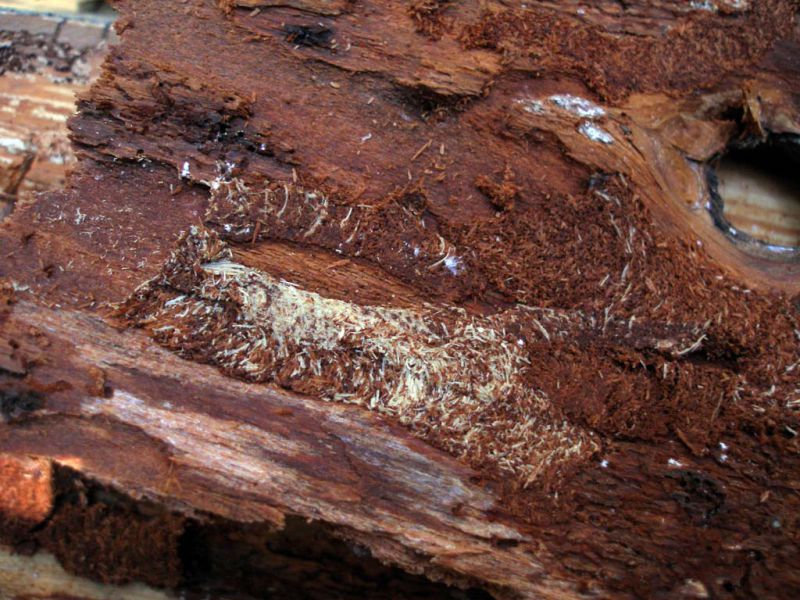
x=453 y=379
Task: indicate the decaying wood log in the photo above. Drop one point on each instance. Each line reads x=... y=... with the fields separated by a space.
x=415 y=299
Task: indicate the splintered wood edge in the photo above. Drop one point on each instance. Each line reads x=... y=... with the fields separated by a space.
x=152 y=425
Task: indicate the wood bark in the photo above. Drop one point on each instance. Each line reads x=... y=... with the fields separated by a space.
x=446 y=288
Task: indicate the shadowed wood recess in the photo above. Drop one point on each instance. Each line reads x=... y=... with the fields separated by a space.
x=411 y=299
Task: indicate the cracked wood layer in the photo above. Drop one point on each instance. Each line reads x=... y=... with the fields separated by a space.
x=250 y=453
x=407 y=177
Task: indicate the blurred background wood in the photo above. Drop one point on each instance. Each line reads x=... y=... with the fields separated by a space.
x=55 y=6
x=46 y=61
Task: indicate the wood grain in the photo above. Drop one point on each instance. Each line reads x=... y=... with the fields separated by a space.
x=495 y=159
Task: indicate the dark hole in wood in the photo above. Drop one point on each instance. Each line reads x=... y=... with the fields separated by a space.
x=755 y=196
x=16 y=404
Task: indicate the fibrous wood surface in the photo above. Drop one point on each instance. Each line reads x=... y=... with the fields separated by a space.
x=448 y=280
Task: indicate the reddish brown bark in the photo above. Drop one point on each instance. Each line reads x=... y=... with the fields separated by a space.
x=482 y=225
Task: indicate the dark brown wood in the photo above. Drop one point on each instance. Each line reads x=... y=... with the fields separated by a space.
x=446 y=279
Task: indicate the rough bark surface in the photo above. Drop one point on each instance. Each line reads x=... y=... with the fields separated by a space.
x=439 y=278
